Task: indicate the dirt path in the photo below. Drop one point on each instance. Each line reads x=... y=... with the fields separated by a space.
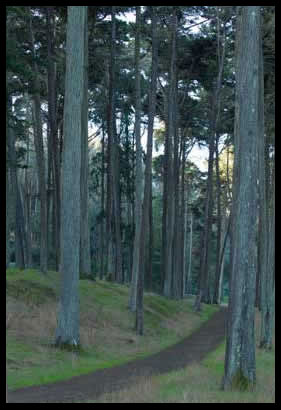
x=90 y=386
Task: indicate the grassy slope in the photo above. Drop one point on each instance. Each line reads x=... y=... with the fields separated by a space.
x=106 y=328
x=200 y=383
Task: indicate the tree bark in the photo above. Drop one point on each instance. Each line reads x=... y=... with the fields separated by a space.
x=102 y=247
x=204 y=293
x=240 y=361
x=118 y=269
x=85 y=257
x=53 y=126
x=219 y=227
x=170 y=207
x=148 y=170
x=39 y=149
x=67 y=332
x=139 y=173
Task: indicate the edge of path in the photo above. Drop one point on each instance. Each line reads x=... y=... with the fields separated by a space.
x=89 y=386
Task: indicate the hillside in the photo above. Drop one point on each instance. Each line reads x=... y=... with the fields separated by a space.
x=107 y=328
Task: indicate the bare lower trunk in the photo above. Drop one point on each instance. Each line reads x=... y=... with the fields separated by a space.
x=67 y=332
x=139 y=173
x=148 y=170
x=85 y=257
x=240 y=361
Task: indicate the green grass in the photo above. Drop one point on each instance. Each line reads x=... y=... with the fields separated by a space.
x=107 y=327
x=201 y=383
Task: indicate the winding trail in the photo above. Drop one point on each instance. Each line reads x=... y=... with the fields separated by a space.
x=81 y=388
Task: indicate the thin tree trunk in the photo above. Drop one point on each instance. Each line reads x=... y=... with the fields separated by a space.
x=39 y=149
x=150 y=243
x=148 y=171
x=139 y=173
x=189 y=275
x=170 y=210
x=28 y=200
x=102 y=260
x=85 y=257
x=8 y=216
x=268 y=288
x=52 y=112
x=183 y=219
x=219 y=227
x=177 y=267
x=204 y=280
x=118 y=271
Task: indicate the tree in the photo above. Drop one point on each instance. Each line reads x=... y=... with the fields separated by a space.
x=39 y=148
x=240 y=362
x=148 y=170
x=139 y=176
x=85 y=257
x=67 y=332
x=53 y=127
x=169 y=191
x=204 y=292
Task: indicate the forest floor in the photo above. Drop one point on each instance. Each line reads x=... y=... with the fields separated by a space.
x=191 y=349
x=170 y=363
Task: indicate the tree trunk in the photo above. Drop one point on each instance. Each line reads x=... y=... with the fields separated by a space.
x=39 y=149
x=139 y=173
x=67 y=332
x=8 y=216
x=118 y=269
x=240 y=362
x=150 y=243
x=52 y=112
x=189 y=275
x=268 y=284
x=170 y=207
x=183 y=219
x=17 y=217
x=85 y=257
x=148 y=171
x=102 y=259
x=204 y=281
x=177 y=242
x=27 y=198
x=219 y=227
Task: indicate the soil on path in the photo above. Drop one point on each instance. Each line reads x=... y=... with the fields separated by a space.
x=81 y=388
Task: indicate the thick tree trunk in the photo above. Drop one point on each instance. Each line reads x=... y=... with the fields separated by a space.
x=240 y=362
x=67 y=332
